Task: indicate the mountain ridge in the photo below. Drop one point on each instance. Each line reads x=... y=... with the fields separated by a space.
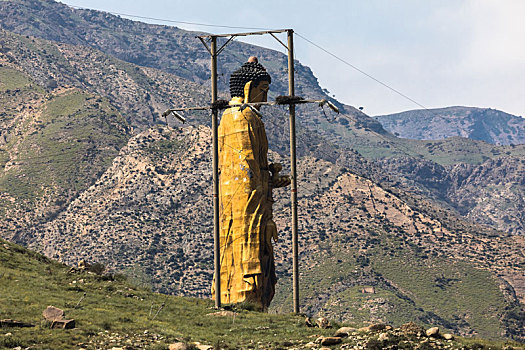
x=485 y=124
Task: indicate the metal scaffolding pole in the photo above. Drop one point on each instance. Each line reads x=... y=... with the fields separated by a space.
x=214 y=52
x=215 y=141
x=295 y=241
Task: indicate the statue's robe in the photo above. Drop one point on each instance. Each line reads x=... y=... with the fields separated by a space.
x=246 y=225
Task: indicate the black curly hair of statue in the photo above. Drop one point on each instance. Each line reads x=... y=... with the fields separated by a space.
x=249 y=71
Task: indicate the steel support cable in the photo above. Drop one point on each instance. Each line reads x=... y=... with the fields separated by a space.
x=257 y=28
x=361 y=71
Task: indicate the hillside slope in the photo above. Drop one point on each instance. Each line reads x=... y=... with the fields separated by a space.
x=148 y=216
x=51 y=148
x=141 y=94
x=142 y=209
x=111 y=312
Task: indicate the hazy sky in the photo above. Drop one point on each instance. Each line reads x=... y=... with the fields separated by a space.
x=438 y=52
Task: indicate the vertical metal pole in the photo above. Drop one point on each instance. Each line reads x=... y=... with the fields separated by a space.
x=215 y=141
x=295 y=243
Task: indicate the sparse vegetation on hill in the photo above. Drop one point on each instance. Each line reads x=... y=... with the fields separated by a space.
x=110 y=312
x=87 y=173
x=52 y=146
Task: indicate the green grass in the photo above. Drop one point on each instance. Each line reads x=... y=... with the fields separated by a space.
x=373 y=145
x=30 y=282
x=75 y=138
x=410 y=285
x=453 y=291
x=110 y=311
x=11 y=79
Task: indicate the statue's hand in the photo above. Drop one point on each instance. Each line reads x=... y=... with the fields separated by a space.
x=276 y=179
x=281 y=181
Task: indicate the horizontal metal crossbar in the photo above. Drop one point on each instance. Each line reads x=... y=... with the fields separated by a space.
x=254 y=104
x=244 y=34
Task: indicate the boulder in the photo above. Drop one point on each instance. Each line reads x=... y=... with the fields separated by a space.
x=448 y=336
x=56 y=317
x=200 y=346
x=96 y=268
x=433 y=332
x=344 y=332
x=323 y=322
x=309 y=323
x=63 y=324
x=178 y=346
x=383 y=337
x=52 y=313
x=327 y=341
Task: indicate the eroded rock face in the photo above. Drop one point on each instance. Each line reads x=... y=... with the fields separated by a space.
x=491 y=193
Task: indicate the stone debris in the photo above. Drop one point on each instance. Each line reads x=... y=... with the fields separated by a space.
x=12 y=323
x=433 y=332
x=223 y=314
x=344 y=332
x=126 y=341
x=411 y=328
x=408 y=336
x=330 y=341
x=56 y=317
x=178 y=346
x=323 y=322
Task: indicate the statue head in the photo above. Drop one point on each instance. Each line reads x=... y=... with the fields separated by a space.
x=251 y=82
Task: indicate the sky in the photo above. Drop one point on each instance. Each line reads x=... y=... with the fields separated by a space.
x=438 y=53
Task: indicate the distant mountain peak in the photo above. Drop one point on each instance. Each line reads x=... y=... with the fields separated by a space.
x=484 y=124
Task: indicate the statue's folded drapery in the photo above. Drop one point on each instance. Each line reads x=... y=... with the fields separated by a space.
x=246 y=225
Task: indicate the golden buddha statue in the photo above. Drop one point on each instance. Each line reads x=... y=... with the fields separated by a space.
x=245 y=194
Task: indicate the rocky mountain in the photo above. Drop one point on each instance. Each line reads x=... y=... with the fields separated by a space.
x=484 y=124
x=490 y=193
x=89 y=171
